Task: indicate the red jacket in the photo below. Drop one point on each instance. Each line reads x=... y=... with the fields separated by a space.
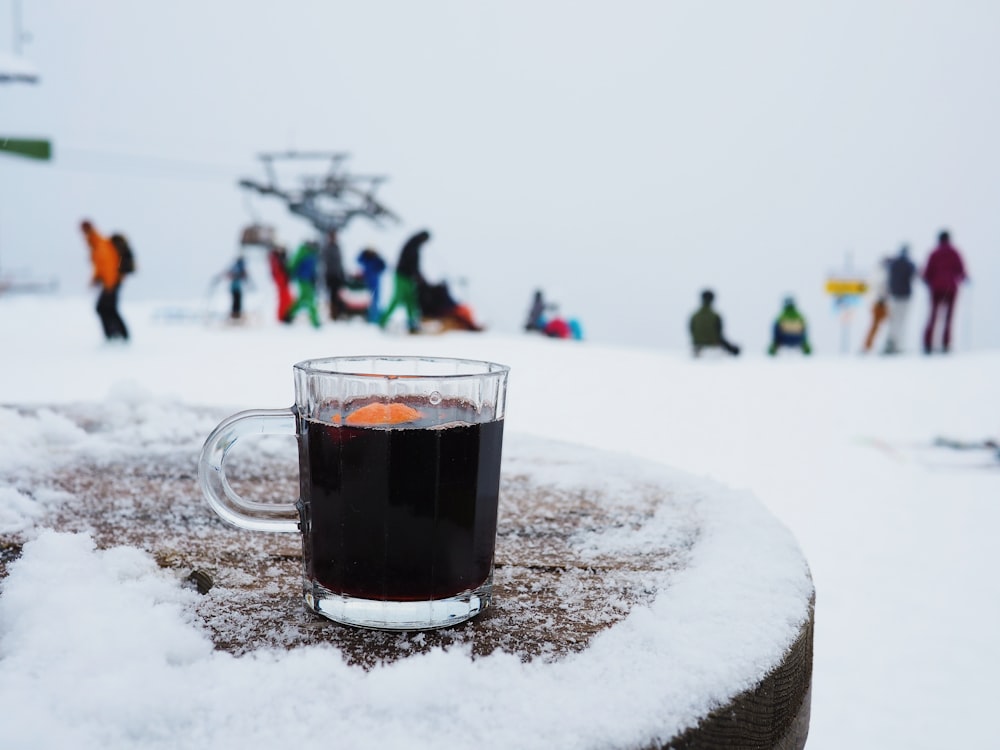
x=944 y=270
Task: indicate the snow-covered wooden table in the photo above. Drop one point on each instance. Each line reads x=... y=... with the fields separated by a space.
x=645 y=592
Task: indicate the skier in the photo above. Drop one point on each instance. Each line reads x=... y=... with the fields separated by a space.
x=277 y=258
x=107 y=274
x=900 y=283
x=303 y=269
x=333 y=273
x=706 y=327
x=372 y=267
x=406 y=280
x=942 y=274
x=237 y=276
x=789 y=330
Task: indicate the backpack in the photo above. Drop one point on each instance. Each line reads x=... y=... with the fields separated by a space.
x=126 y=259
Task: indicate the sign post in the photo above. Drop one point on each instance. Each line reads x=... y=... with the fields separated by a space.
x=846 y=289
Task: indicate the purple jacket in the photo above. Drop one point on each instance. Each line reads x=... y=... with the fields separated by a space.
x=944 y=270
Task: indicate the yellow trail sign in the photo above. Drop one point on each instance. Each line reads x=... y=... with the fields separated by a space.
x=846 y=287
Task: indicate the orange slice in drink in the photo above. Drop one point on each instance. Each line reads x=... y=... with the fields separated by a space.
x=379 y=414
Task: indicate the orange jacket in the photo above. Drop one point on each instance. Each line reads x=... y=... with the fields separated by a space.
x=105 y=259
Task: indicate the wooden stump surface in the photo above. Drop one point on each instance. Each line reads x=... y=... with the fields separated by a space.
x=549 y=601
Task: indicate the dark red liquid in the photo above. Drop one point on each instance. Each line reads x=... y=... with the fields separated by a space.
x=401 y=513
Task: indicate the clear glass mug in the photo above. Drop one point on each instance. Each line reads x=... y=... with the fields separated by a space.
x=399 y=477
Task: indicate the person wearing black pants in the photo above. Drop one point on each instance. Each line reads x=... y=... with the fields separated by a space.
x=107 y=275
x=111 y=319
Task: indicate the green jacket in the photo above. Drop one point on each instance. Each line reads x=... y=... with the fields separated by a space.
x=304 y=265
x=791 y=322
x=706 y=327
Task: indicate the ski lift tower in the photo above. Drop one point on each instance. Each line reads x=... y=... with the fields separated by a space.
x=329 y=200
x=15 y=69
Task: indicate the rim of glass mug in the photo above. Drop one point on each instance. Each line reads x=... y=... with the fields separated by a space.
x=393 y=366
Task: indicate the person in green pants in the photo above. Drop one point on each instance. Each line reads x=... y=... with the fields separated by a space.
x=405 y=291
x=302 y=269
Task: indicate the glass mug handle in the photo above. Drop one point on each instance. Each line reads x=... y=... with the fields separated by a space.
x=245 y=514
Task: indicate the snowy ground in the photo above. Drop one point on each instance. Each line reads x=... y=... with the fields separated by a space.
x=900 y=536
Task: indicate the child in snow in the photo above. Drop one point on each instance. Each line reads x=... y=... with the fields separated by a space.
x=790 y=330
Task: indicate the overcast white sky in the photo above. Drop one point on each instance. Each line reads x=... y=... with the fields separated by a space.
x=620 y=156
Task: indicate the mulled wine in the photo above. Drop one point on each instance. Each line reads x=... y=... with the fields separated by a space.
x=400 y=512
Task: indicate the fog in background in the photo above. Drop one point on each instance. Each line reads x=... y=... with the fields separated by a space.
x=619 y=156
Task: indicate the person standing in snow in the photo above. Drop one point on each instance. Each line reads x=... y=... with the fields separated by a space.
x=277 y=259
x=106 y=274
x=333 y=273
x=789 y=330
x=900 y=287
x=536 y=313
x=706 y=327
x=237 y=276
x=304 y=269
x=372 y=267
x=943 y=274
x=408 y=277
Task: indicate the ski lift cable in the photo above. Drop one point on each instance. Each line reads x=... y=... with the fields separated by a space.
x=140 y=174
x=140 y=165
x=151 y=159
